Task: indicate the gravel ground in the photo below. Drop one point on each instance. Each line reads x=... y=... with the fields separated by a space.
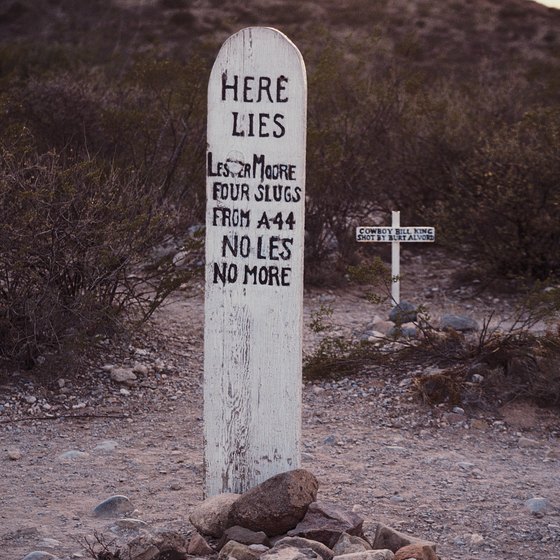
x=461 y=478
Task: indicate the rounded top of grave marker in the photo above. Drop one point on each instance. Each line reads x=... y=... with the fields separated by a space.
x=253 y=35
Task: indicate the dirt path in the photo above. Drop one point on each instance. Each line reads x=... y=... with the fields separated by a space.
x=461 y=480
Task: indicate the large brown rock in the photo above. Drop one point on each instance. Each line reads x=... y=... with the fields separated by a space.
x=276 y=505
x=326 y=523
x=386 y=537
x=211 y=516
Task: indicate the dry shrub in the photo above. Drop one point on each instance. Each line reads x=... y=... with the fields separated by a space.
x=150 y=119
x=527 y=368
x=97 y=166
x=74 y=236
x=504 y=205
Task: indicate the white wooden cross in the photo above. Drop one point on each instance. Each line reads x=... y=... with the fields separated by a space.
x=395 y=235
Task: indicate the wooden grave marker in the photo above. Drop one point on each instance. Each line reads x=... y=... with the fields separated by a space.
x=395 y=235
x=257 y=100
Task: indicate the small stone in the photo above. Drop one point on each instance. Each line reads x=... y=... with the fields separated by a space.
x=465 y=465
x=171 y=544
x=329 y=440
x=49 y=543
x=243 y=536
x=290 y=553
x=404 y=312
x=176 y=485
x=406 y=330
x=123 y=375
x=129 y=523
x=40 y=555
x=298 y=542
x=382 y=327
x=72 y=454
x=477 y=378
x=452 y=418
x=387 y=537
x=142 y=369
x=181 y=259
x=326 y=522
x=142 y=549
x=61 y=382
x=160 y=365
x=14 y=454
x=199 y=547
x=259 y=548
x=458 y=410
x=552 y=455
x=527 y=443
x=416 y=551
x=458 y=323
x=30 y=399
x=378 y=554
x=237 y=551
x=537 y=506
x=113 y=507
x=396 y=449
x=479 y=424
x=349 y=544
x=476 y=539
x=24 y=534
x=124 y=392
x=396 y=499
x=106 y=446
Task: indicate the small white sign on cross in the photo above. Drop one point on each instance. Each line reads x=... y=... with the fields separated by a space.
x=395 y=235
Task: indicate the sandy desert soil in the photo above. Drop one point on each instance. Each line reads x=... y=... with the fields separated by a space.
x=460 y=480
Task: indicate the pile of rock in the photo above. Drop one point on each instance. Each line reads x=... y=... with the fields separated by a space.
x=403 y=323
x=281 y=519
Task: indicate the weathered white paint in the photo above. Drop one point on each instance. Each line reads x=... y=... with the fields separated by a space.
x=254 y=316
x=396 y=261
x=395 y=234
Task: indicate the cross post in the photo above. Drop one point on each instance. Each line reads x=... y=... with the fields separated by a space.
x=395 y=235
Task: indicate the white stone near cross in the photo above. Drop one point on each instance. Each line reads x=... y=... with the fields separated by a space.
x=395 y=235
